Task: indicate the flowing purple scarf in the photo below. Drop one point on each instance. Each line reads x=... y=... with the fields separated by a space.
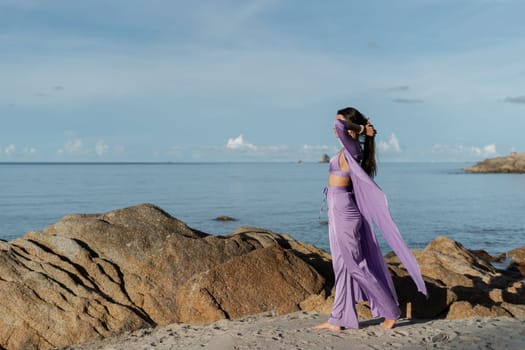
x=373 y=205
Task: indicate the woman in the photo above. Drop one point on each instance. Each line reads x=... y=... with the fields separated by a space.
x=354 y=202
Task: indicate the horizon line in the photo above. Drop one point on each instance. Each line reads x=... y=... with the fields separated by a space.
x=208 y=162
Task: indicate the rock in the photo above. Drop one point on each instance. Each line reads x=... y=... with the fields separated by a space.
x=512 y=163
x=515 y=269
x=448 y=261
x=224 y=218
x=518 y=255
x=325 y=159
x=316 y=257
x=517 y=265
x=363 y=310
x=483 y=254
x=516 y=310
x=454 y=274
x=464 y=309
x=324 y=305
x=96 y=275
x=515 y=294
x=319 y=303
x=414 y=304
x=216 y=293
x=496 y=295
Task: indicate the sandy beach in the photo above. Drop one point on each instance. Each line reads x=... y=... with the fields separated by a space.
x=293 y=331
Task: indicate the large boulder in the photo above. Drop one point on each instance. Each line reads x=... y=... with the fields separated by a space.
x=512 y=163
x=97 y=275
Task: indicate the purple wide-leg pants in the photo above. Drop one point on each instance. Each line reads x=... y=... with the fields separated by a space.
x=353 y=279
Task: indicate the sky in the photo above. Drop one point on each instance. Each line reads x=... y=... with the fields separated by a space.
x=258 y=80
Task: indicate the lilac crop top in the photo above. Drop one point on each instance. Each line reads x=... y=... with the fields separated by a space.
x=350 y=148
x=335 y=169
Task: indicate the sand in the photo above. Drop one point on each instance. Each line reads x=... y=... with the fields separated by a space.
x=293 y=331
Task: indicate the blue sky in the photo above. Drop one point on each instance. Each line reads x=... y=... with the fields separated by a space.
x=261 y=80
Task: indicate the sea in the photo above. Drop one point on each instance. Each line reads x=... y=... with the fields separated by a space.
x=481 y=211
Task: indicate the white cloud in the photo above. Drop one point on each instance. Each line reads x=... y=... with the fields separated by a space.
x=101 y=148
x=485 y=151
x=75 y=146
x=390 y=146
x=238 y=143
x=274 y=148
x=488 y=150
x=9 y=150
x=72 y=147
x=29 y=150
x=318 y=149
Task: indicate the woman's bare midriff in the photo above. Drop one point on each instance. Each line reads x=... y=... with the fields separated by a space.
x=339 y=181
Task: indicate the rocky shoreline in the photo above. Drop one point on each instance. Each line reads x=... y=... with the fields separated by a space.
x=96 y=276
x=512 y=163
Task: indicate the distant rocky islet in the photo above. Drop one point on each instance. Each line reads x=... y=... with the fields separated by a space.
x=325 y=158
x=512 y=163
x=98 y=275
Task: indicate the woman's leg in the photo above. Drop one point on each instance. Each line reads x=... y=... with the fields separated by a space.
x=348 y=262
x=356 y=266
x=343 y=311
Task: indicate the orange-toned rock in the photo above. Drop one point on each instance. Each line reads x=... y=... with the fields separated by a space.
x=97 y=275
x=448 y=261
x=455 y=276
x=265 y=279
x=517 y=310
x=464 y=309
x=518 y=255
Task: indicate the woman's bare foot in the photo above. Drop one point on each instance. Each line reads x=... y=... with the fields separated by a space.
x=388 y=324
x=328 y=326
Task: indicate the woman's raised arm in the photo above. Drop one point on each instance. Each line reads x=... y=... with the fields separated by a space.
x=351 y=145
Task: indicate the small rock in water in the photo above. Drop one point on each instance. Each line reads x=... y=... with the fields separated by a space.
x=224 y=218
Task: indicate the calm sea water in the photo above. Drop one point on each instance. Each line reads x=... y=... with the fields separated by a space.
x=426 y=200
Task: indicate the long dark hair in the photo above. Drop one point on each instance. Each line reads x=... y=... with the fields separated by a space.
x=369 y=148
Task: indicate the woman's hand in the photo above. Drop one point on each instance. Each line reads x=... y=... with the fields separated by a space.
x=369 y=129
x=352 y=134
